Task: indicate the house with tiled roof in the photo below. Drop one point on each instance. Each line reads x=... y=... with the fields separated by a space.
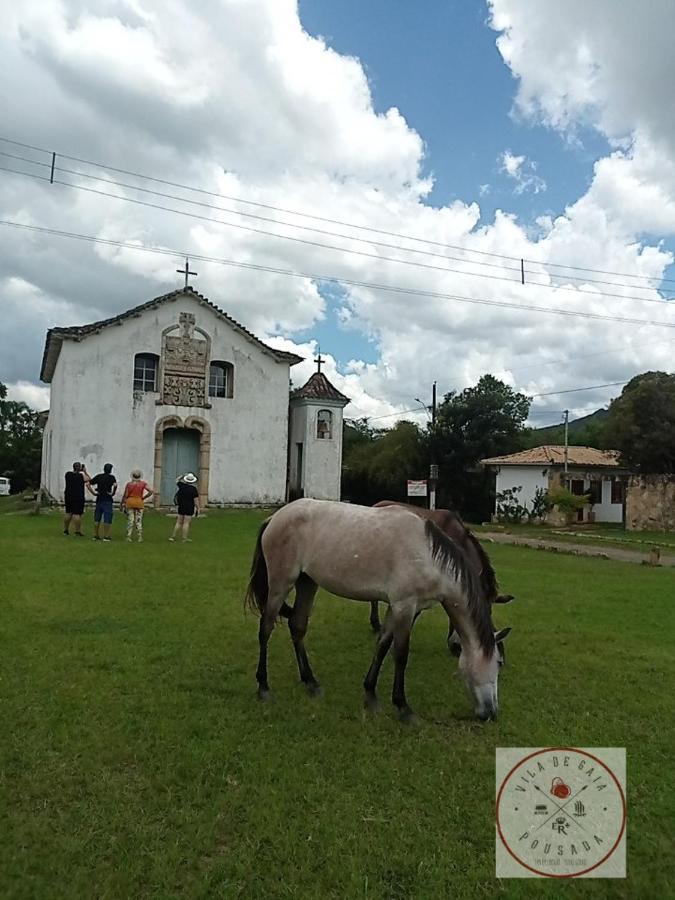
x=587 y=471
x=177 y=385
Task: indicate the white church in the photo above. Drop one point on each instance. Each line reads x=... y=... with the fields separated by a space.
x=176 y=385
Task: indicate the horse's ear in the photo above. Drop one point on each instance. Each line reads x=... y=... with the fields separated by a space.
x=504 y=598
x=502 y=635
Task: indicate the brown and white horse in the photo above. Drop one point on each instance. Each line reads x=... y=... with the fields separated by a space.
x=368 y=554
x=451 y=524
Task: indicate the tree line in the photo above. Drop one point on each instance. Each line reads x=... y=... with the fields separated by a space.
x=488 y=420
x=20 y=443
x=485 y=420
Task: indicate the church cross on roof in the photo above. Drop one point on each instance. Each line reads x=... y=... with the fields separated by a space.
x=186 y=271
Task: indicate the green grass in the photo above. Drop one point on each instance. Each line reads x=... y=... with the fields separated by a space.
x=135 y=761
x=598 y=535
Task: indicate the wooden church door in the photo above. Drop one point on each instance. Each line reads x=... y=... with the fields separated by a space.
x=180 y=454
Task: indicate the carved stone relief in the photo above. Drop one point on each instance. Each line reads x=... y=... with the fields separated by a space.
x=184 y=364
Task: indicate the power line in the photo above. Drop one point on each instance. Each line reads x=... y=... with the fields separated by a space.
x=592 y=387
x=416 y=292
x=304 y=241
x=501 y=266
x=370 y=229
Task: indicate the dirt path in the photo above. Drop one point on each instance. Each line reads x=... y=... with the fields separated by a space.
x=634 y=556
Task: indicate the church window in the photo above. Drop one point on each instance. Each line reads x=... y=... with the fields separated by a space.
x=324 y=425
x=145 y=371
x=221 y=379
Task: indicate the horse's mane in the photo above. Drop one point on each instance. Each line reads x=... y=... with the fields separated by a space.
x=487 y=574
x=451 y=556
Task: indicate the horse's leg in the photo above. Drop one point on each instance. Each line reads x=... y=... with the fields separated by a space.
x=305 y=591
x=381 y=650
x=403 y=617
x=275 y=599
x=375 y=616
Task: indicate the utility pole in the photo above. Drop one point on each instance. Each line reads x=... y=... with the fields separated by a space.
x=433 y=468
x=567 y=419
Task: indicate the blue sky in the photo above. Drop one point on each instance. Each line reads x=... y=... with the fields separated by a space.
x=186 y=92
x=443 y=71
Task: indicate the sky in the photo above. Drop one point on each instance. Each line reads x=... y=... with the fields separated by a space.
x=400 y=159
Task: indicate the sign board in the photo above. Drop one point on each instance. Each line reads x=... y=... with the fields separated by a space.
x=417 y=488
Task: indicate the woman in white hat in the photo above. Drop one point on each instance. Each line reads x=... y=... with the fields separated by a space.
x=187 y=501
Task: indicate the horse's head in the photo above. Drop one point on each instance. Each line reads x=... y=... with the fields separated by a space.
x=480 y=671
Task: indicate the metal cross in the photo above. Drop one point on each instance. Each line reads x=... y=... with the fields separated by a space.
x=319 y=360
x=186 y=271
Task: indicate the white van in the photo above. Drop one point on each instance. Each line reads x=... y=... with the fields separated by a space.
x=4 y=487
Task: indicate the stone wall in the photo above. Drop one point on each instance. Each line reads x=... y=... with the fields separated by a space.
x=650 y=503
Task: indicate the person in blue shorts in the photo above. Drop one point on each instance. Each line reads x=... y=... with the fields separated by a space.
x=106 y=485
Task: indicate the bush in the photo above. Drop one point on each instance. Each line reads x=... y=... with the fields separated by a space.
x=540 y=504
x=567 y=502
x=509 y=507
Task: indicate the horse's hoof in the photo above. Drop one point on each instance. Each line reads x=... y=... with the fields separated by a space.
x=407 y=716
x=371 y=704
x=314 y=689
x=264 y=695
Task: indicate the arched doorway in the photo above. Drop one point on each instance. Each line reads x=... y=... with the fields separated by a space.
x=181 y=439
x=180 y=454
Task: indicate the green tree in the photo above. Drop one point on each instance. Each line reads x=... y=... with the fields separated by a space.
x=377 y=464
x=481 y=421
x=20 y=443
x=641 y=423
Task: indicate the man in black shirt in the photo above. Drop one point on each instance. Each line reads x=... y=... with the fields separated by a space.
x=106 y=485
x=73 y=497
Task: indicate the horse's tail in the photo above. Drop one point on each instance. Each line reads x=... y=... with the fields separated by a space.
x=258 y=585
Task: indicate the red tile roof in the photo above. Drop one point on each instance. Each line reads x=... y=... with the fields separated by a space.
x=319 y=388
x=554 y=455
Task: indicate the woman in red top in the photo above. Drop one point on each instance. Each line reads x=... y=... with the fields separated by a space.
x=136 y=492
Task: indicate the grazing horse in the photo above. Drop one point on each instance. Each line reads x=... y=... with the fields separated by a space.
x=451 y=524
x=366 y=554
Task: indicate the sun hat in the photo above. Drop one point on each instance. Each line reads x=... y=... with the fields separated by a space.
x=136 y=474
x=189 y=478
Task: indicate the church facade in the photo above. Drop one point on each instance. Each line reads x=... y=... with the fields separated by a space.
x=176 y=385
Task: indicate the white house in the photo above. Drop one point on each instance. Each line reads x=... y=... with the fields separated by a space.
x=589 y=471
x=177 y=385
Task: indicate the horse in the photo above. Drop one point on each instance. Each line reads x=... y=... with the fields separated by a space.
x=451 y=524
x=367 y=554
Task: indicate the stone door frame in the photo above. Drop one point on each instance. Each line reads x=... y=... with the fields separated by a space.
x=194 y=423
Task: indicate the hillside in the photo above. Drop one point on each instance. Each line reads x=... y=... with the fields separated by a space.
x=584 y=430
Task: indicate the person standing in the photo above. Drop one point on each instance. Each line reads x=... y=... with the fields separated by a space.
x=136 y=492
x=187 y=501
x=73 y=498
x=106 y=485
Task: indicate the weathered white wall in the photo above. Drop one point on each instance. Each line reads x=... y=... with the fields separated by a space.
x=533 y=477
x=298 y=435
x=322 y=458
x=607 y=511
x=529 y=477
x=95 y=417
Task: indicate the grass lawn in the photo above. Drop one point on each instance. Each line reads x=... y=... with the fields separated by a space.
x=135 y=761
x=600 y=535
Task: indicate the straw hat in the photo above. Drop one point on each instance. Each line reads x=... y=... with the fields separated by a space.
x=136 y=474
x=190 y=478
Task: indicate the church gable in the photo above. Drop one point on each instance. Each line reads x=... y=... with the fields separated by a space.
x=185 y=347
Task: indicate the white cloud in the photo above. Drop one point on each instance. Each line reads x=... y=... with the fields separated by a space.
x=36 y=396
x=235 y=97
x=523 y=172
